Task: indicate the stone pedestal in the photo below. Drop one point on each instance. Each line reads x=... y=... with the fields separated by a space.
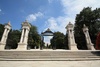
x=22 y=46
x=73 y=47
x=2 y=46
x=87 y=37
x=71 y=41
x=90 y=46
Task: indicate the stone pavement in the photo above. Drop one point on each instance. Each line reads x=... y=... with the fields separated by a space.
x=61 y=55
x=50 y=58
x=95 y=63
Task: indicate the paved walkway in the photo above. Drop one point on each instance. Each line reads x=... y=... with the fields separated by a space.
x=95 y=63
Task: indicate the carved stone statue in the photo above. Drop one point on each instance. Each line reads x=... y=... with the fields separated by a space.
x=71 y=40
x=88 y=40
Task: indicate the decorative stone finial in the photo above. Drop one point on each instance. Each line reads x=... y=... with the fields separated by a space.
x=9 y=23
x=84 y=25
x=70 y=25
x=26 y=23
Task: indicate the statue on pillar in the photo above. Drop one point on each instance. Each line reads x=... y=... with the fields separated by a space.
x=88 y=40
x=71 y=41
x=5 y=36
x=22 y=45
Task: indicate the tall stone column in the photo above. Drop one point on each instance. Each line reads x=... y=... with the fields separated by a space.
x=5 y=36
x=22 y=45
x=71 y=41
x=22 y=35
x=88 y=40
x=26 y=36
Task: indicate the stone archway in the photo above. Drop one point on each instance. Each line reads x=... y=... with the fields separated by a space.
x=48 y=32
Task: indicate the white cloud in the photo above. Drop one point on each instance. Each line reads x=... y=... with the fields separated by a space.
x=39 y=14
x=0 y=10
x=70 y=9
x=51 y=22
x=33 y=17
x=58 y=24
x=50 y=1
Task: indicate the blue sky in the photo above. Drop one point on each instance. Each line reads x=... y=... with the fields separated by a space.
x=53 y=14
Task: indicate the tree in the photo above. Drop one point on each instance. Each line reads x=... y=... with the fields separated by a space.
x=34 y=38
x=66 y=41
x=13 y=39
x=1 y=30
x=58 y=40
x=90 y=18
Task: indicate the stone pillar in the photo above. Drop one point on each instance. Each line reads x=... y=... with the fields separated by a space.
x=88 y=40
x=26 y=36
x=5 y=36
x=22 y=36
x=22 y=45
x=71 y=41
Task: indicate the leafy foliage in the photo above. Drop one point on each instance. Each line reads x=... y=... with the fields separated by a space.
x=13 y=39
x=58 y=40
x=1 y=30
x=34 y=38
x=90 y=18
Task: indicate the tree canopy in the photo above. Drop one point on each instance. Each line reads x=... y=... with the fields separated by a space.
x=13 y=39
x=1 y=30
x=91 y=18
x=58 y=40
x=34 y=38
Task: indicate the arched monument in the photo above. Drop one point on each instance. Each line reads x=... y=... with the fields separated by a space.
x=22 y=45
x=5 y=36
x=87 y=37
x=71 y=40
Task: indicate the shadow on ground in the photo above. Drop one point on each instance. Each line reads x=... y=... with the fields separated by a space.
x=97 y=53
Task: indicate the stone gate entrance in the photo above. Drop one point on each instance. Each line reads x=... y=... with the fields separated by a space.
x=22 y=45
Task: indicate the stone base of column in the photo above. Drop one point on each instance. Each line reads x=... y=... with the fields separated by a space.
x=2 y=46
x=73 y=47
x=22 y=46
x=90 y=47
